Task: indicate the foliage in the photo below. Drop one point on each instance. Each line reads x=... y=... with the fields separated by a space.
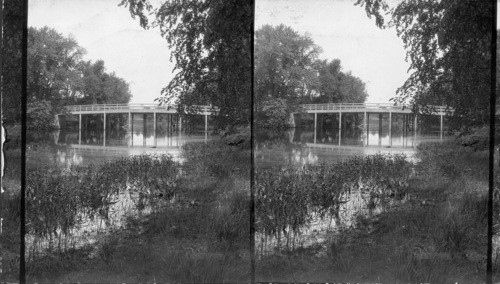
x=99 y=87
x=10 y=206
x=437 y=233
x=275 y=113
x=215 y=159
x=211 y=45
x=59 y=201
x=478 y=139
x=283 y=60
x=52 y=59
x=454 y=160
x=374 y=8
x=54 y=69
x=288 y=73
x=287 y=198
x=448 y=43
x=202 y=200
x=39 y=114
x=230 y=223
x=336 y=86
x=58 y=76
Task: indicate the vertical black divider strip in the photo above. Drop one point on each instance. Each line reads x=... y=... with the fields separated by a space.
x=489 y=264
x=252 y=164
x=24 y=66
x=1 y=125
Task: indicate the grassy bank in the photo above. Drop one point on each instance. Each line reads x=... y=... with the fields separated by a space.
x=189 y=221
x=11 y=214
x=436 y=233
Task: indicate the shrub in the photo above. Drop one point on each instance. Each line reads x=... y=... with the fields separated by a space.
x=288 y=198
x=60 y=200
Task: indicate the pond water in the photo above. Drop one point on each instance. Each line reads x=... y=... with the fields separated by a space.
x=92 y=145
x=306 y=145
x=328 y=144
x=65 y=147
x=298 y=146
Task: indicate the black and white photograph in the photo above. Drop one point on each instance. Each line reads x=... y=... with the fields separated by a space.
x=372 y=141
x=249 y=141
x=138 y=141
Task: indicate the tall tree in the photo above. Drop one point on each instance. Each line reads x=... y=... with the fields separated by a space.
x=336 y=86
x=52 y=62
x=283 y=65
x=211 y=45
x=448 y=46
x=288 y=73
x=99 y=87
x=57 y=76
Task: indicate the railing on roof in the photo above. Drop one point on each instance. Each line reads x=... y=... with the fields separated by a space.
x=127 y=107
x=367 y=106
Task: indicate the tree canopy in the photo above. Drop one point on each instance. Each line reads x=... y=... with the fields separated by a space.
x=288 y=72
x=58 y=76
x=283 y=64
x=448 y=44
x=337 y=86
x=211 y=44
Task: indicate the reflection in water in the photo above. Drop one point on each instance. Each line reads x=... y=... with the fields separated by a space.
x=93 y=144
x=329 y=143
x=322 y=230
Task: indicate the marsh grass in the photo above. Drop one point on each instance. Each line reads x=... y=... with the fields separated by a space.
x=288 y=198
x=11 y=212
x=437 y=235
x=60 y=201
x=200 y=203
x=9 y=238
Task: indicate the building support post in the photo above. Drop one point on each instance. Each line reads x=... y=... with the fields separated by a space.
x=390 y=128
x=415 y=129
x=206 y=127
x=315 y=127
x=154 y=126
x=144 y=121
x=380 y=117
x=180 y=123
x=206 y=122
x=340 y=127
x=80 y=129
x=404 y=125
x=104 y=129
x=367 y=127
x=364 y=121
x=130 y=124
x=169 y=123
x=180 y=132
x=131 y=117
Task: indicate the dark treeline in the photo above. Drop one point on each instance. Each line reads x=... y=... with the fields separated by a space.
x=211 y=42
x=448 y=45
x=288 y=72
x=58 y=76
